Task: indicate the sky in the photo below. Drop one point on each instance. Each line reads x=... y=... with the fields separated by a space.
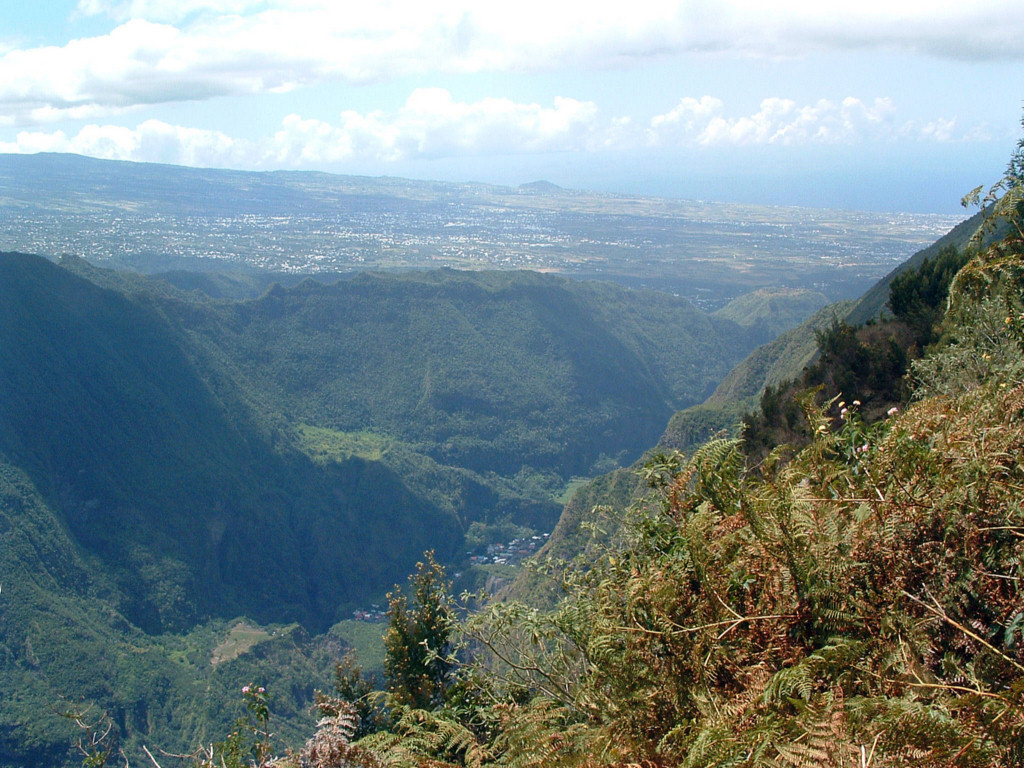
x=894 y=106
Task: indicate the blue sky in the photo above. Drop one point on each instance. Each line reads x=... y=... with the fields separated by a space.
x=875 y=105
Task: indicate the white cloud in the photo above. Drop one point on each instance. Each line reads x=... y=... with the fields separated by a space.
x=688 y=119
x=164 y=10
x=151 y=141
x=704 y=122
x=942 y=130
x=180 y=50
x=433 y=124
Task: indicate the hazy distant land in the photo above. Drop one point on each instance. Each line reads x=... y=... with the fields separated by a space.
x=137 y=216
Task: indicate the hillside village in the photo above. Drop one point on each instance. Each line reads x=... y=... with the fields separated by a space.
x=510 y=553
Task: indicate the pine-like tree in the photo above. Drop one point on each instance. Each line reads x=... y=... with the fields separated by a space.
x=419 y=664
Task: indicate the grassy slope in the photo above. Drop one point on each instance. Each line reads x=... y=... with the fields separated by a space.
x=773 y=311
x=785 y=619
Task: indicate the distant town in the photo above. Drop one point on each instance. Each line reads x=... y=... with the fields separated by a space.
x=512 y=553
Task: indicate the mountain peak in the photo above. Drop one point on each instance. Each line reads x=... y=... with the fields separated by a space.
x=541 y=187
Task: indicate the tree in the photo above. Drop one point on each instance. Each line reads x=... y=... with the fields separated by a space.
x=356 y=689
x=419 y=663
x=918 y=296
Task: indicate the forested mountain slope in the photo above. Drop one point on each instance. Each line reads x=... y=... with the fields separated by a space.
x=159 y=467
x=773 y=311
x=168 y=431
x=874 y=300
x=492 y=372
x=171 y=462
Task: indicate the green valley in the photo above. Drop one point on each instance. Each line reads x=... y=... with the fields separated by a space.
x=176 y=461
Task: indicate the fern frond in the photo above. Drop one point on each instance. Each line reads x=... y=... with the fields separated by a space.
x=330 y=746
